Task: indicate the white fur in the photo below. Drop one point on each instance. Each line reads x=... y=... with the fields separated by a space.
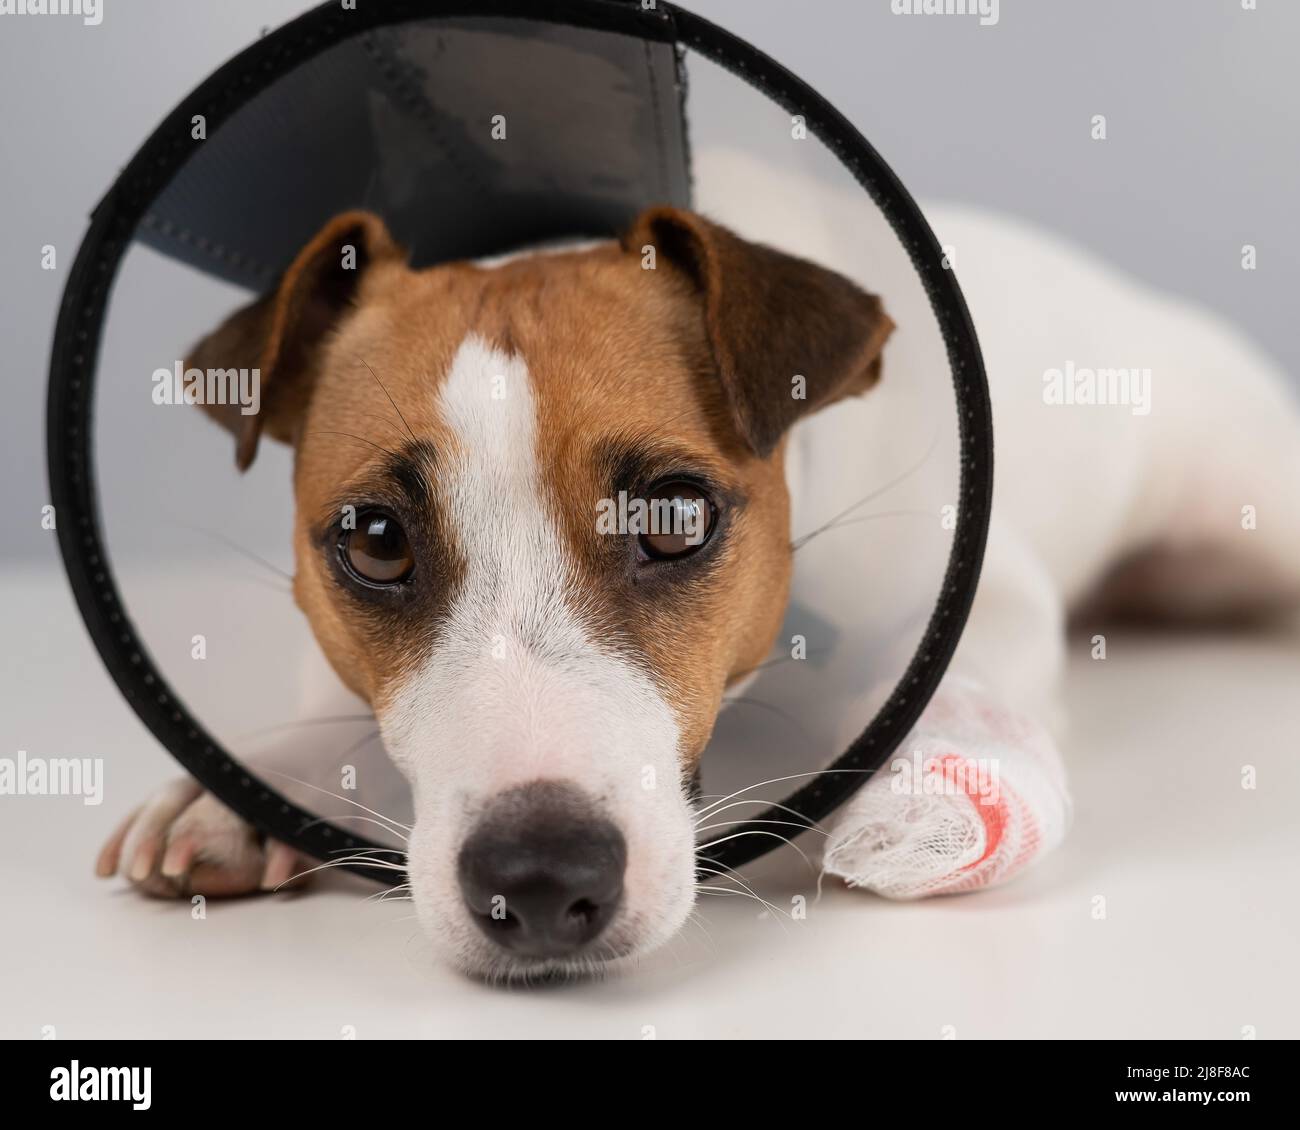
x=517 y=690
x=1078 y=487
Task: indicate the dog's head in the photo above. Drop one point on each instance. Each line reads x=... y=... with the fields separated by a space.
x=541 y=524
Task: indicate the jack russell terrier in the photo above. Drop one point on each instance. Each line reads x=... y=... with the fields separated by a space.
x=526 y=668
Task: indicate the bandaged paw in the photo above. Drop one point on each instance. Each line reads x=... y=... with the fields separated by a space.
x=973 y=796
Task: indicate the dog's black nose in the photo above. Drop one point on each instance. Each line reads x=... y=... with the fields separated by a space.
x=542 y=870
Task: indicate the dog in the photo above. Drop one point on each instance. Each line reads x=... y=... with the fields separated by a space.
x=531 y=673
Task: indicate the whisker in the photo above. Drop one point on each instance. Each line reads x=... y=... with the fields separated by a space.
x=843 y=522
x=729 y=874
x=386 y=421
x=347 y=800
x=758 y=832
x=778 y=781
x=367 y=820
x=396 y=894
x=368 y=860
x=267 y=583
x=336 y=863
x=400 y=893
x=776 y=662
x=359 y=439
x=806 y=823
x=390 y=398
x=719 y=868
x=758 y=702
x=746 y=820
x=230 y=544
x=800 y=542
x=745 y=895
x=695 y=920
x=724 y=872
x=370 y=737
x=252 y=735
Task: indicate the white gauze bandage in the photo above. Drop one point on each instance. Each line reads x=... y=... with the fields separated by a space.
x=974 y=795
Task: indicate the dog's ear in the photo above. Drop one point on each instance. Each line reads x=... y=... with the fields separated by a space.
x=281 y=333
x=771 y=319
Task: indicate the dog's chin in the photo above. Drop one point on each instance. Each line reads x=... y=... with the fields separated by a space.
x=494 y=966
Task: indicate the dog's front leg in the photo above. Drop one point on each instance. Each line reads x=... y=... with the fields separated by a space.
x=977 y=792
x=183 y=841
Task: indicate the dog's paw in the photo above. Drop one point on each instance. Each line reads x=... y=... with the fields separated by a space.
x=183 y=841
x=974 y=796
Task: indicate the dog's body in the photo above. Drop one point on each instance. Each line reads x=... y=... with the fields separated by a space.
x=1186 y=503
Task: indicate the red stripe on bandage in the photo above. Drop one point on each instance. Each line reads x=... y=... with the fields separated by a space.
x=996 y=817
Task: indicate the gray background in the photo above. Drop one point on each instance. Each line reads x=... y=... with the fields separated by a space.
x=1199 y=95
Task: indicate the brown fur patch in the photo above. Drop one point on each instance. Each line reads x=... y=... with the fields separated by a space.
x=772 y=319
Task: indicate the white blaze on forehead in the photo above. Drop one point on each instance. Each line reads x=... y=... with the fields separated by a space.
x=558 y=247
x=516 y=686
x=490 y=487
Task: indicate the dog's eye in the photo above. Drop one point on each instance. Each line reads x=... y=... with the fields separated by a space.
x=680 y=519
x=377 y=550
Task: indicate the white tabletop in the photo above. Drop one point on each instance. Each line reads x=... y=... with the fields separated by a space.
x=1199 y=938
